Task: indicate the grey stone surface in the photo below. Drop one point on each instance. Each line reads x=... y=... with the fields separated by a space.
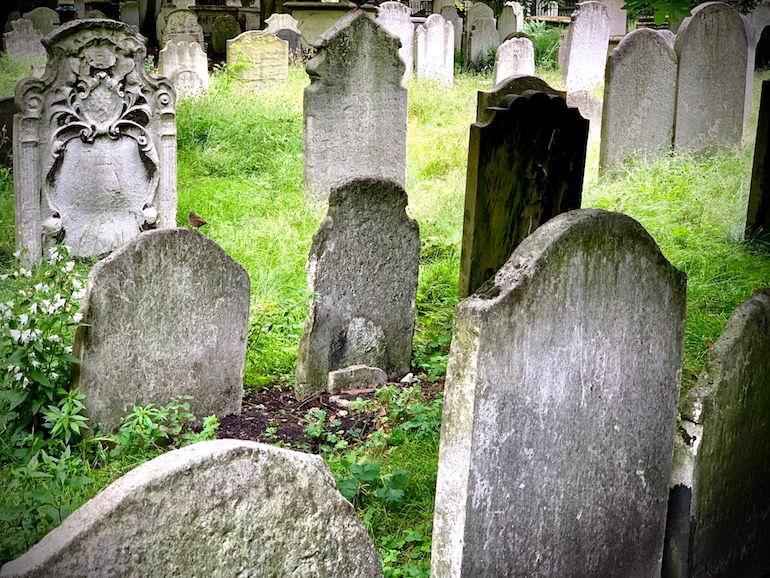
x=450 y=15
x=44 y=19
x=560 y=408
x=509 y=21
x=129 y=13
x=482 y=40
x=435 y=50
x=726 y=463
x=225 y=28
x=162 y=11
x=639 y=98
x=712 y=48
x=258 y=58
x=758 y=214
x=515 y=57
x=751 y=38
x=472 y=14
x=167 y=316
x=186 y=65
x=182 y=26
x=285 y=27
x=356 y=97
x=396 y=19
x=587 y=40
x=218 y=508
x=355 y=376
x=618 y=16
x=24 y=40
x=487 y=99
x=15 y=15
x=94 y=177
x=362 y=268
x=590 y=107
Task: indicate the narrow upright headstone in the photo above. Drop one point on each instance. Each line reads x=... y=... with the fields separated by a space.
x=396 y=19
x=515 y=57
x=97 y=176
x=724 y=466
x=166 y=317
x=712 y=48
x=160 y=19
x=182 y=26
x=560 y=408
x=482 y=40
x=287 y=28
x=355 y=109
x=218 y=508
x=225 y=28
x=590 y=108
x=24 y=40
x=475 y=12
x=487 y=100
x=588 y=39
x=508 y=22
x=639 y=97
x=44 y=19
x=751 y=39
x=362 y=270
x=186 y=65
x=618 y=16
x=435 y=50
x=258 y=58
x=758 y=216
x=129 y=13
x=450 y=15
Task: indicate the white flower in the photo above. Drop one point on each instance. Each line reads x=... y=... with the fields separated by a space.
x=22 y=293
x=25 y=272
x=35 y=363
x=12 y=368
x=69 y=266
x=54 y=338
x=78 y=295
x=26 y=335
x=54 y=375
x=17 y=254
x=15 y=334
x=33 y=308
x=78 y=317
x=18 y=376
x=67 y=349
x=23 y=318
x=3 y=277
x=3 y=307
x=24 y=383
x=7 y=314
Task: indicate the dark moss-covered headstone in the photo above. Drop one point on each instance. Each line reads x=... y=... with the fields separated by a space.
x=225 y=28
x=758 y=218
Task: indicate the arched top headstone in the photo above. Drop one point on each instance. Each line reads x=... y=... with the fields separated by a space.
x=24 y=40
x=182 y=26
x=487 y=99
x=44 y=19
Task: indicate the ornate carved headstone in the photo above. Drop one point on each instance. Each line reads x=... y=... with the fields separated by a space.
x=258 y=58
x=44 y=19
x=285 y=27
x=186 y=65
x=94 y=143
x=487 y=100
x=515 y=57
x=758 y=216
x=435 y=54
x=225 y=28
x=396 y=19
x=588 y=39
x=24 y=40
x=525 y=166
x=182 y=26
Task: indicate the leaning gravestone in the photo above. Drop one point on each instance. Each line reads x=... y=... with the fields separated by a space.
x=362 y=270
x=515 y=57
x=639 y=96
x=182 y=26
x=450 y=15
x=355 y=109
x=587 y=43
x=487 y=100
x=98 y=175
x=186 y=65
x=180 y=305
x=725 y=466
x=560 y=409
x=44 y=19
x=396 y=19
x=758 y=217
x=712 y=47
x=225 y=28
x=482 y=40
x=217 y=508
x=525 y=166
x=287 y=28
x=24 y=40
x=258 y=59
x=435 y=52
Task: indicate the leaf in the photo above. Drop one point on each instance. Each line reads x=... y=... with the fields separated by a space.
x=70 y=358
x=43 y=496
x=40 y=377
x=397 y=479
x=349 y=488
x=15 y=398
x=17 y=357
x=76 y=481
x=366 y=472
x=389 y=495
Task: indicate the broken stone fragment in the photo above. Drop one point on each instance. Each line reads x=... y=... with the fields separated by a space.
x=355 y=376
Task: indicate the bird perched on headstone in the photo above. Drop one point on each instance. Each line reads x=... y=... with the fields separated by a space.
x=196 y=220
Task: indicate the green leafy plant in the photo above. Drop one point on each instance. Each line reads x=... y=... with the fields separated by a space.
x=327 y=436
x=545 y=41
x=365 y=482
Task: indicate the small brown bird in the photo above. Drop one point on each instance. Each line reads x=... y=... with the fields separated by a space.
x=196 y=220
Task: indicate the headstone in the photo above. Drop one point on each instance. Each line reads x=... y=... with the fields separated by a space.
x=160 y=20
x=475 y=12
x=488 y=99
x=439 y=5
x=129 y=13
x=24 y=40
x=80 y=8
x=258 y=58
x=590 y=108
x=724 y=466
x=180 y=305
x=285 y=27
x=182 y=26
x=396 y=19
x=563 y=54
x=588 y=40
x=515 y=57
x=482 y=40
x=95 y=15
x=201 y=511
x=507 y=22
x=225 y=28
x=751 y=36
x=435 y=54
x=758 y=217
x=712 y=48
x=639 y=96
x=362 y=270
x=186 y=4
x=11 y=17
x=560 y=408
x=44 y=19
x=186 y=65
x=525 y=166
x=355 y=109
x=95 y=177
x=356 y=376
x=450 y=15
x=618 y=16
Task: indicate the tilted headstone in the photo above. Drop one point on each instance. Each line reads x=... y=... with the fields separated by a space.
x=588 y=39
x=515 y=57
x=560 y=408
x=712 y=48
x=285 y=27
x=160 y=19
x=396 y=19
x=225 y=28
x=508 y=22
x=618 y=16
x=93 y=167
x=525 y=166
x=482 y=40
x=639 y=96
x=450 y=15
x=355 y=109
x=182 y=26
x=590 y=108
x=24 y=40
x=474 y=13
x=44 y=19
x=218 y=508
x=721 y=472
x=488 y=99
x=435 y=50
x=362 y=270
x=258 y=58
x=180 y=306
x=129 y=13
x=186 y=65
x=758 y=216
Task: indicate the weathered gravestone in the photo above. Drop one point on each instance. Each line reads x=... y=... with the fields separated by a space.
x=482 y=41
x=225 y=28
x=712 y=48
x=186 y=65
x=95 y=15
x=94 y=143
x=286 y=28
x=472 y=14
x=129 y=13
x=587 y=43
x=362 y=269
x=560 y=408
x=182 y=26
x=525 y=166
x=11 y=17
x=590 y=108
x=24 y=40
x=218 y=508
x=515 y=57
x=44 y=19
x=167 y=316
x=450 y=15
x=487 y=100
x=510 y=20
x=639 y=96
x=7 y=110
x=355 y=109
x=721 y=473
x=758 y=216
x=258 y=58
x=396 y=19
x=618 y=16
x=435 y=53
x=160 y=19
